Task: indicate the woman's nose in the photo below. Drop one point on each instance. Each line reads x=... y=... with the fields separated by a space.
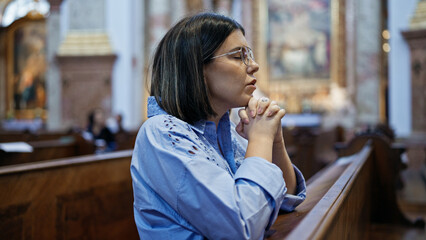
x=252 y=67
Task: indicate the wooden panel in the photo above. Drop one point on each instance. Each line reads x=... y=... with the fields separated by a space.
x=360 y=203
x=49 y=149
x=417 y=42
x=11 y=219
x=125 y=140
x=321 y=220
x=86 y=85
x=317 y=187
x=386 y=166
x=352 y=217
x=26 y=136
x=86 y=197
x=311 y=148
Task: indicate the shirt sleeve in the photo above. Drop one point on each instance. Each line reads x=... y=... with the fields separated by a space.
x=217 y=204
x=291 y=201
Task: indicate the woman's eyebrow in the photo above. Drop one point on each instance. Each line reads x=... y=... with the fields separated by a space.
x=235 y=49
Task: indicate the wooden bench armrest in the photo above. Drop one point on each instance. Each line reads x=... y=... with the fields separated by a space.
x=317 y=187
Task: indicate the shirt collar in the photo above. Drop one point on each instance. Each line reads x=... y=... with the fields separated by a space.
x=153 y=108
x=200 y=126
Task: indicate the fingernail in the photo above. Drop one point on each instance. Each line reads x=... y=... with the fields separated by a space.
x=252 y=113
x=259 y=110
x=246 y=121
x=269 y=114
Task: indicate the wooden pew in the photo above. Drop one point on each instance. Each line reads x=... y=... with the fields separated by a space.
x=68 y=146
x=126 y=139
x=87 y=197
x=351 y=199
x=27 y=136
x=317 y=187
x=311 y=148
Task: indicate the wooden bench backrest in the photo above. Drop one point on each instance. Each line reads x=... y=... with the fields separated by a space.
x=87 y=197
x=345 y=198
x=387 y=165
x=49 y=149
x=344 y=211
x=317 y=187
x=27 y=136
x=311 y=149
x=363 y=194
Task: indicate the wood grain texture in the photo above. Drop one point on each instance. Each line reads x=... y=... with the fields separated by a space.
x=63 y=147
x=86 y=197
x=317 y=187
x=351 y=201
x=328 y=210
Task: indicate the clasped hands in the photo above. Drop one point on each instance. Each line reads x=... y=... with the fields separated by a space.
x=261 y=119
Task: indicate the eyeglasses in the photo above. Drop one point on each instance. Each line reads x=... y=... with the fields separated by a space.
x=246 y=55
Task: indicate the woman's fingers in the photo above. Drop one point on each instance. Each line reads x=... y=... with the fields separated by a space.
x=242 y=113
x=275 y=111
x=240 y=129
x=259 y=107
x=272 y=110
x=262 y=105
x=252 y=107
x=281 y=113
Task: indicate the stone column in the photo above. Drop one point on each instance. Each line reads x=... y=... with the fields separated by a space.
x=418 y=21
x=416 y=38
x=53 y=73
x=259 y=42
x=350 y=25
x=247 y=19
x=194 y=6
x=368 y=52
x=159 y=22
x=224 y=7
x=3 y=87
x=3 y=84
x=86 y=60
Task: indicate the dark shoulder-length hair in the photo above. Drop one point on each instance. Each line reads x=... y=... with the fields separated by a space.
x=177 y=80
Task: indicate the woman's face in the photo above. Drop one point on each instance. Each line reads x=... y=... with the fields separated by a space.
x=230 y=82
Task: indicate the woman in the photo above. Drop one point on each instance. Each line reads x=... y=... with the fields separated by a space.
x=192 y=178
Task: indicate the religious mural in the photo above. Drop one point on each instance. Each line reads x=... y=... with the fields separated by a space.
x=299 y=39
x=26 y=73
x=29 y=66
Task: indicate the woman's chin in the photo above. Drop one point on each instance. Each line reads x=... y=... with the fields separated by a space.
x=244 y=102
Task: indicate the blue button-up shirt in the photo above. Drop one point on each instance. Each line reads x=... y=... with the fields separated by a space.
x=185 y=188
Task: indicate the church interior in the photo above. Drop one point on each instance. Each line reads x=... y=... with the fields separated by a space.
x=351 y=75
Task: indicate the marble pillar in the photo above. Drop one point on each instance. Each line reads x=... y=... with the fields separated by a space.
x=224 y=7
x=368 y=51
x=159 y=22
x=416 y=38
x=53 y=73
x=195 y=6
x=2 y=75
x=86 y=60
x=247 y=19
x=399 y=67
